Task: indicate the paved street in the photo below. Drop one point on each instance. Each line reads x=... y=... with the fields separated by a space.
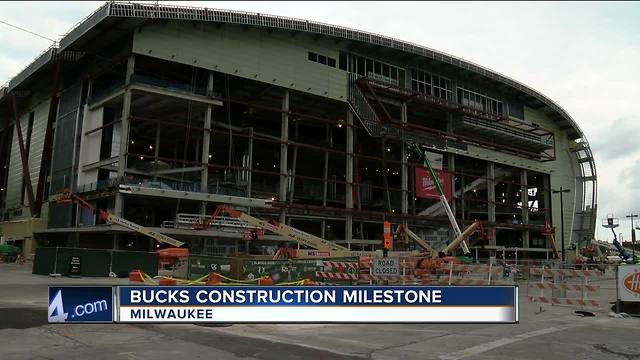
x=556 y=332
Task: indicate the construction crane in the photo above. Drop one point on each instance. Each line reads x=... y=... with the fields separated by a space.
x=443 y=199
x=288 y=232
x=67 y=196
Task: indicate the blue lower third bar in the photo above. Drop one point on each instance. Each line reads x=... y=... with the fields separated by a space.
x=312 y=304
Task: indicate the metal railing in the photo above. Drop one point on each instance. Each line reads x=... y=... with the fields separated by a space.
x=361 y=107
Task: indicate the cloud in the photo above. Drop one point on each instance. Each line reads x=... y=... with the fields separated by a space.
x=618 y=139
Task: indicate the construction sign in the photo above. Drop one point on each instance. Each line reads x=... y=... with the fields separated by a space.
x=387 y=235
x=629 y=282
x=425 y=188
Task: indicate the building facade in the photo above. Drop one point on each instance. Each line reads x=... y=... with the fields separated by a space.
x=160 y=113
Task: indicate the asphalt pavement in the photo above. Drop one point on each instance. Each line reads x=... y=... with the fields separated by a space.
x=543 y=332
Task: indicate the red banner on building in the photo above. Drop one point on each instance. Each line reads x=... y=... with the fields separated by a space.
x=425 y=187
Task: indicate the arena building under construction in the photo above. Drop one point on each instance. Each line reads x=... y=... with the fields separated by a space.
x=159 y=113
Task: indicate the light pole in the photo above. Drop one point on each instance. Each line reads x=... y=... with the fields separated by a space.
x=561 y=191
x=633 y=237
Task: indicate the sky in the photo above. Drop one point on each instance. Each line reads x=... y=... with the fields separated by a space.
x=583 y=55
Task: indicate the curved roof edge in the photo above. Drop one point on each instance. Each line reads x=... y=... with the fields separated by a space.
x=149 y=11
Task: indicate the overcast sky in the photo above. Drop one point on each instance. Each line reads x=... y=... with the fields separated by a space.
x=584 y=56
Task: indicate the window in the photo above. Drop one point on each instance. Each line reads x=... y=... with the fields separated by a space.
x=321 y=59
x=421 y=82
x=377 y=70
x=442 y=87
x=343 y=60
x=480 y=101
x=429 y=84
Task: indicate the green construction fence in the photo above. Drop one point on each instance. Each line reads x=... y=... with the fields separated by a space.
x=94 y=262
x=248 y=268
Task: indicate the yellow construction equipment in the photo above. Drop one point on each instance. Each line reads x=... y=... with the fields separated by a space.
x=411 y=235
x=288 y=232
x=460 y=239
x=67 y=196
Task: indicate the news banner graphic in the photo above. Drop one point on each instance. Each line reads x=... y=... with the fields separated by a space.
x=286 y=304
x=81 y=304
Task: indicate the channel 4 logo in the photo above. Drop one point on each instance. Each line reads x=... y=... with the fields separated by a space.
x=80 y=304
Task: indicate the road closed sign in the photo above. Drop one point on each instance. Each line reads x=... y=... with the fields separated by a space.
x=386 y=267
x=629 y=282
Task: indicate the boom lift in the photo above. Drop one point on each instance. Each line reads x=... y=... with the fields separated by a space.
x=288 y=232
x=549 y=232
x=444 y=202
x=411 y=235
x=67 y=196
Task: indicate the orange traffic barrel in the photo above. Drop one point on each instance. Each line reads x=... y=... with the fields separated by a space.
x=135 y=277
x=214 y=279
x=265 y=281
x=167 y=281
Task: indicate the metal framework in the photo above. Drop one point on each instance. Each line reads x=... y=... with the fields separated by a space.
x=131 y=15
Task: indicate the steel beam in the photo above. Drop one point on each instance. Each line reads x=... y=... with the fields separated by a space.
x=195 y=196
x=23 y=156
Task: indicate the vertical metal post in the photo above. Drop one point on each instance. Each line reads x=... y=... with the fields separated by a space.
x=250 y=165
x=561 y=191
x=451 y=159
x=294 y=164
x=284 y=140
x=617 y=291
x=206 y=143
x=349 y=177
x=124 y=134
x=524 y=198
x=328 y=144
x=491 y=201
x=404 y=170
x=156 y=151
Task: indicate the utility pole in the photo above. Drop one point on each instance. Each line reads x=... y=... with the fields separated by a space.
x=633 y=237
x=561 y=191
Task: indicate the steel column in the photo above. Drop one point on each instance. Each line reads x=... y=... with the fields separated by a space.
x=206 y=140
x=348 y=229
x=284 y=138
x=124 y=133
x=491 y=201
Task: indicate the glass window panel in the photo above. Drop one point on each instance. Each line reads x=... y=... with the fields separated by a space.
x=385 y=70
x=360 y=65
